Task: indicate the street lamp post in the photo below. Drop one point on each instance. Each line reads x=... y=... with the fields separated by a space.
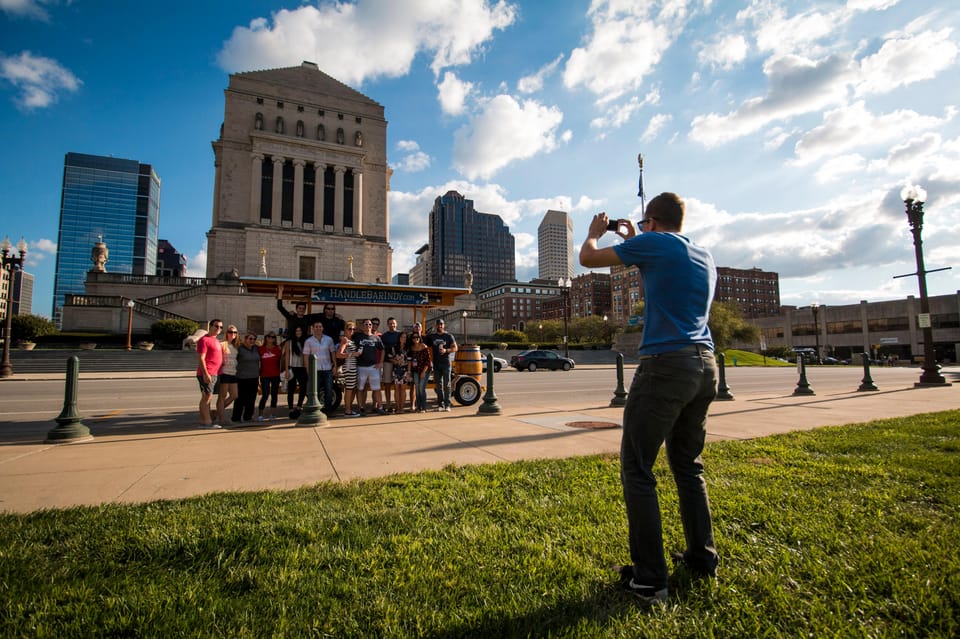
x=130 y=305
x=914 y=197
x=464 y=327
x=565 y=284
x=10 y=262
x=816 y=329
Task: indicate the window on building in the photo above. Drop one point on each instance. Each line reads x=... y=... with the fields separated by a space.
x=308 y=267
x=255 y=324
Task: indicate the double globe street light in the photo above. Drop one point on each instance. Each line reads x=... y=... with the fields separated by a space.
x=10 y=262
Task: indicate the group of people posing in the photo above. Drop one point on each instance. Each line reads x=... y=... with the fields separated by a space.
x=393 y=367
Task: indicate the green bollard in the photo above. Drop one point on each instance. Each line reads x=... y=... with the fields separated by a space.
x=489 y=405
x=312 y=414
x=619 y=395
x=723 y=391
x=70 y=426
x=866 y=384
x=803 y=388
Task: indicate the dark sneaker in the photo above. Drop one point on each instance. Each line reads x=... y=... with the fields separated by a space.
x=380 y=410
x=684 y=568
x=646 y=594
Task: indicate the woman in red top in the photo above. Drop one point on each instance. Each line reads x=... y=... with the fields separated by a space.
x=270 y=357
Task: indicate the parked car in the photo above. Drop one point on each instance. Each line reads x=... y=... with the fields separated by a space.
x=532 y=360
x=498 y=363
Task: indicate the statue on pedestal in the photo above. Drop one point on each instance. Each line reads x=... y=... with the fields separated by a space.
x=99 y=256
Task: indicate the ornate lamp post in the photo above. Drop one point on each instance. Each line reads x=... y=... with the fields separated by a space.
x=10 y=262
x=565 y=283
x=464 y=315
x=914 y=197
x=130 y=305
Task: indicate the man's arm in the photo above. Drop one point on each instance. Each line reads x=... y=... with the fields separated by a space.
x=202 y=358
x=283 y=311
x=592 y=256
x=453 y=345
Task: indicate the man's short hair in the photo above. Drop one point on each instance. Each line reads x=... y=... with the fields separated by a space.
x=212 y=322
x=440 y=321
x=393 y=319
x=668 y=209
x=299 y=304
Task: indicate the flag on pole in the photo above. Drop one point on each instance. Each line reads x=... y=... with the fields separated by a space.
x=640 y=185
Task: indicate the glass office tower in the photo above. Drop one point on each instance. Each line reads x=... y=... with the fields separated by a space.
x=461 y=237
x=118 y=200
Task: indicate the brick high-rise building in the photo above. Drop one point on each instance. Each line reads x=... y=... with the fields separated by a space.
x=756 y=292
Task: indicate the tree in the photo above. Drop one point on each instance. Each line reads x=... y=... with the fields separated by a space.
x=590 y=329
x=28 y=327
x=727 y=326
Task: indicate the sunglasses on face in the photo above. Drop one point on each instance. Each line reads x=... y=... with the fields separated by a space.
x=231 y=332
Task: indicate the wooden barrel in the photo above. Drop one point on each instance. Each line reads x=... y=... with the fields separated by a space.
x=468 y=361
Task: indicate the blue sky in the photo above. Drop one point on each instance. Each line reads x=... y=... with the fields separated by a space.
x=788 y=127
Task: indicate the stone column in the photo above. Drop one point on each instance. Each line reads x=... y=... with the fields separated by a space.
x=277 y=205
x=298 y=193
x=358 y=201
x=256 y=177
x=338 y=200
x=318 y=174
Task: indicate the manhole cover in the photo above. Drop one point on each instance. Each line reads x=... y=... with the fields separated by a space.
x=593 y=425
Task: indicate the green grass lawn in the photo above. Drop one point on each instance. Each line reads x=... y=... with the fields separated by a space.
x=841 y=532
x=746 y=358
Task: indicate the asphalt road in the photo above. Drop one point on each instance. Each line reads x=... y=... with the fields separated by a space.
x=41 y=400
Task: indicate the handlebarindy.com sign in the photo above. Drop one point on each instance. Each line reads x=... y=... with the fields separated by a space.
x=372 y=296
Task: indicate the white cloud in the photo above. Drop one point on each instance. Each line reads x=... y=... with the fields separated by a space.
x=797 y=85
x=904 y=61
x=39 y=79
x=626 y=45
x=504 y=131
x=534 y=82
x=415 y=160
x=39 y=250
x=840 y=167
x=25 y=8
x=618 y=115
x=197 y=264
x=453 y=31
x=725 y=53
x=409 y=215
x=452 y=93
x=657 y=122
x=852 y=126
x=43 y=245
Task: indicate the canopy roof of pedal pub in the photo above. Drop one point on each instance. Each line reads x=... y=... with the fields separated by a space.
x=353 y=293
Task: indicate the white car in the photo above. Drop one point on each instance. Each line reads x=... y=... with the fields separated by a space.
x=498 y=363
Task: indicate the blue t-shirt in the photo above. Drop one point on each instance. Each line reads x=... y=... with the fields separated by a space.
x=679 y=279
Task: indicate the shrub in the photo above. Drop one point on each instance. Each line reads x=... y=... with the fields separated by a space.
x=29 y=327
x=506 y=335
x=172 y=331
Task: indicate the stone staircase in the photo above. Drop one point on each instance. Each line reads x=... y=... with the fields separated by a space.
x=113 y=361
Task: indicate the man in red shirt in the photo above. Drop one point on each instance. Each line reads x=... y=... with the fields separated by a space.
x=209 y=360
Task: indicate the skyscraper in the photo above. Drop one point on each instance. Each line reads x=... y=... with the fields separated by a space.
x=462 y=238
x=118 y=200
x=555 y=245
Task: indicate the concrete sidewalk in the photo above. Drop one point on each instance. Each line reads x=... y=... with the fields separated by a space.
x=143 y=457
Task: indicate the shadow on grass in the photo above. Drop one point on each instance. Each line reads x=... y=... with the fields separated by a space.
x=604 y=604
